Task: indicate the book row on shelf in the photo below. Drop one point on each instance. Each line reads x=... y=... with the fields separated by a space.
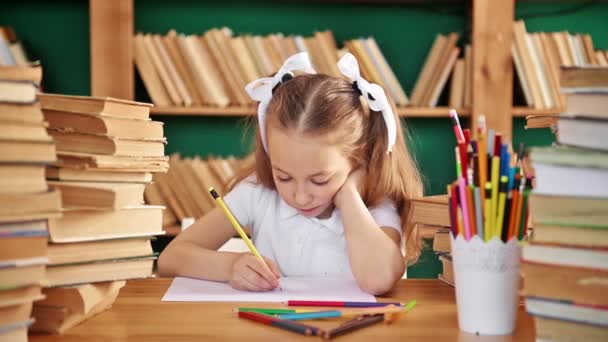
x=214 y=67
x=184 y=190
x=539 y=56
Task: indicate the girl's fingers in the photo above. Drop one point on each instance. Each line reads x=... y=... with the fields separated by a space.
x=273 y=267
x=263 y=271
x=254 y=277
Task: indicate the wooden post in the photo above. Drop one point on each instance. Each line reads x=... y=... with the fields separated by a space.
x=111 y=29
x=492 y=64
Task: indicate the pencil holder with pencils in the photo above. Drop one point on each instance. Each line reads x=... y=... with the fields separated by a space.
x=488 y=214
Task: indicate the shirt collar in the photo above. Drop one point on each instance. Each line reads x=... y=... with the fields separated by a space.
x=332 y=223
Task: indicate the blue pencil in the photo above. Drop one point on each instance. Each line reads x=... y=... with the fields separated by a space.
x=310 y=315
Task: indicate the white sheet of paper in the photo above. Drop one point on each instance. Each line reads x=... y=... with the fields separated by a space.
x=292 y=288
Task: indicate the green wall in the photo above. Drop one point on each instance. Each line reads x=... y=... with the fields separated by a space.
x=57 y=33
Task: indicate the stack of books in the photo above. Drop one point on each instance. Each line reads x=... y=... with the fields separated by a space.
x=26 y=201
x=184 y=189
x=107 y=150
x=432 y=215
x=213 y=68
x=565 y=268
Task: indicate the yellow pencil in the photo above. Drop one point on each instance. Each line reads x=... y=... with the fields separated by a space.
x=502 y=198
x=488 y=213
x=495 y=173
x=238 y=227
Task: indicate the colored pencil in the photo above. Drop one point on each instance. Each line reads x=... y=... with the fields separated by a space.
x=339 y=304
x=524 y=215
x=471 y=207
x=488 y=212
x=456 y=126
x=478 y=212
x=270 y=311
x=454 y=199
x=465 y=210
x=389 y=309
x=452 y=210
x=494 y=211
x=482 y=150
x=352 y=325
x=279 y=323
x=501 y=206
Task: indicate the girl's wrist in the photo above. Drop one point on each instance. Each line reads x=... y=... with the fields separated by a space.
x=346 y=193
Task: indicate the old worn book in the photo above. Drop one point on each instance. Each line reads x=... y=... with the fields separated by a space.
x=570 y=235
x=23 y=132
x=441 y=241
x=96 y=105
x=15 y=313
x=569 y=211
x=22 y=178
x=32 y=73
x=567 y=310
x=20 y=294
x=69 y=253
x=447 y=275
x=589 y=76
x=431 y=210
x=578 y=284
x=558 y=330
x=583 y=132
x=587 y=103
x=541 y=121
x=91 y=272
x=27 y=151
x=22 y=275
x=17 y=91
x=13 y=248
x=99 y=195
x=21 y=113
x=104 y=125
x=105 y=162
x=88 y=225
x=595 y=259
x=24 y=205
x=96 y=175
x=101 y=144
x=65 y=307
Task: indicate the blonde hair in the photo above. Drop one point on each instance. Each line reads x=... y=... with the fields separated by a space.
x=320 y=104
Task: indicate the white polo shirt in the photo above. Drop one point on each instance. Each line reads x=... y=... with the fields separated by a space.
x=301 y=246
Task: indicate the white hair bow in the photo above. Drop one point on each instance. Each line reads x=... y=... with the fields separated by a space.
x=373 y=93
x=261 y=89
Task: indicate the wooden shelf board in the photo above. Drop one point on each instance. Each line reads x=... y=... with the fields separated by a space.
x=522 y=112
x=244 y=111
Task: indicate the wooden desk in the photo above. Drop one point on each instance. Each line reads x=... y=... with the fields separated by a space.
x=139 y=315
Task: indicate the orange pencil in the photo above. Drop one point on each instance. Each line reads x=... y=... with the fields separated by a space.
x=471 y=210
x=512 y=224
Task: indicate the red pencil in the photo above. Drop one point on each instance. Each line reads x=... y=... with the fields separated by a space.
x=339 y=304
x=456 y=126
x=299 y=328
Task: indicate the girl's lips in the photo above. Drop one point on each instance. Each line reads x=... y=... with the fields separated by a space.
x=308 y=210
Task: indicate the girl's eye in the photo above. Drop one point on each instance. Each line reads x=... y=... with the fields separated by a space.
x=283 y=179
x=320 y=183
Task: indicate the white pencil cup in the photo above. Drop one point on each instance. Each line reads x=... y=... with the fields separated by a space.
x=487 y=283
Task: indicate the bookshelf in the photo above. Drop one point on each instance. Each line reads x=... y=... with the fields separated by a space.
x=411 y=112
x=492 y=23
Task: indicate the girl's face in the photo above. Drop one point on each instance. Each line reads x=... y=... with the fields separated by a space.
x=308 y=171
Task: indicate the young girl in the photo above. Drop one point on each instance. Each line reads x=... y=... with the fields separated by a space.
x=328 y=194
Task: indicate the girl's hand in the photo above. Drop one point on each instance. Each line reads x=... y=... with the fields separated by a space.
x=249 y=274
x=354 y=185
